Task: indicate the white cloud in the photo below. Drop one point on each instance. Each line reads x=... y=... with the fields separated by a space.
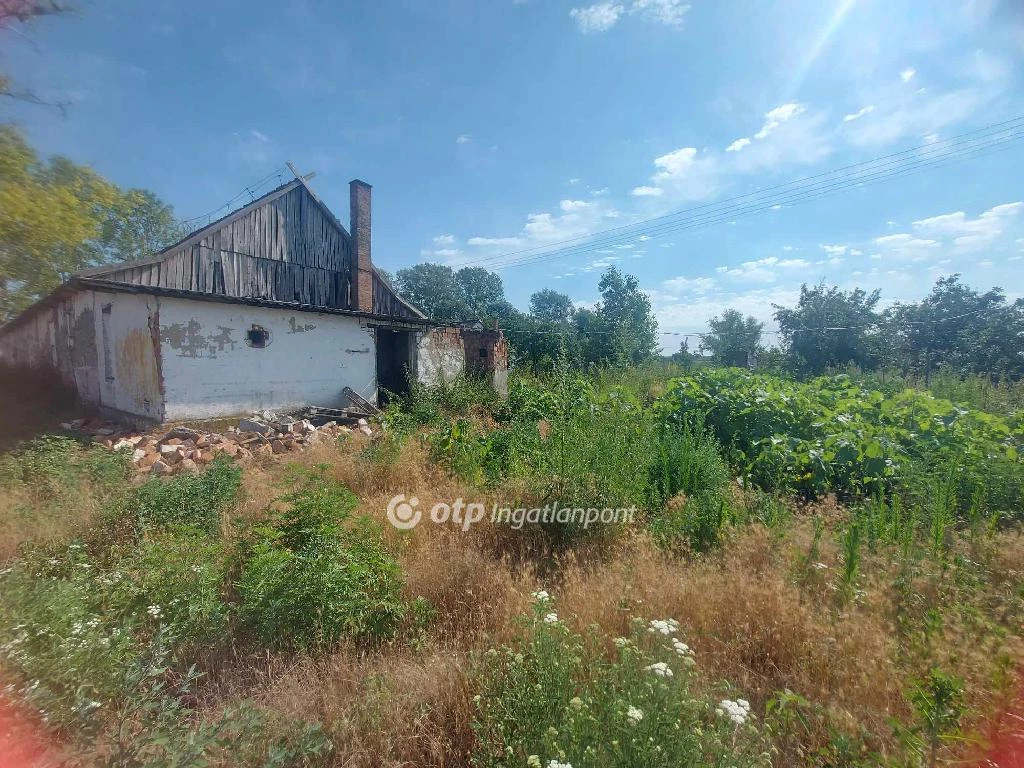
x=906 y=246
x=259 y=135
x=918 y=114
x=833 y=250
x=680 y=285
x=668 y=12
x=463 y=139
x=599 y=192
x=597 y=18
x=574 y=205
x=859 y=113
x=908 y=74
x=966 y=233
x=601 y=17
x=500 y=241
x=762 y=270
x=647 y=192
x=444 y=239
x=776 y=117
x=737 y=145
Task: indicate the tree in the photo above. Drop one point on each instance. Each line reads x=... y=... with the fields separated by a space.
x=433 y=289
x=481 y=293
x=733 y=339
x=551 y=306
x=622 y=329
x=830 y=328
x=59 y=217
x=959 y=330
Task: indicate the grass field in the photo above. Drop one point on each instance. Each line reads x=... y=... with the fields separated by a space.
x=826 y=573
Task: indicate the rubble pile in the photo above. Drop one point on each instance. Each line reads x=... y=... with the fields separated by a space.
x=183 y=449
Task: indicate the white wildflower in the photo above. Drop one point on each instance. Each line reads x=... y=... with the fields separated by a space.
x=819 y=566
x=154 y=611
x=540 y=595
x=663 y=626
x=660 y=668
x=738 y=711
x=634 y=715
x=555 y=764
x=621 y=642
x=576 y=703
x=551 y=618
x=533 y=761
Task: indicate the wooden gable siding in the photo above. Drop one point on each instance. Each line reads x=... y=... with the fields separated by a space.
x=386 y=302
x=287 y=249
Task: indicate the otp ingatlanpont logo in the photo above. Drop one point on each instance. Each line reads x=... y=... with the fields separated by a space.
x=403 y=514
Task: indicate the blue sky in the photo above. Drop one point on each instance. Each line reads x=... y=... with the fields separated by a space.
x=490 y=126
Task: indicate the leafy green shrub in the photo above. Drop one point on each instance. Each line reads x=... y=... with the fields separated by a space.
x=833 y=434
x=176 y=579
x=316 y=574
x=191 y=500
x=692 y=524
x=432 y=404
x=557 y=698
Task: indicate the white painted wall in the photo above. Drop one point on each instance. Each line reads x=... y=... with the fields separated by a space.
x=209 y=370
x=126 y=349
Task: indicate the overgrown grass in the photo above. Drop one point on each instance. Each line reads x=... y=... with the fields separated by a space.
x=266 y=617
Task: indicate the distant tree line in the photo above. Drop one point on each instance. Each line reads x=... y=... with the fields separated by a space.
x=620 y=329
x=954 y=329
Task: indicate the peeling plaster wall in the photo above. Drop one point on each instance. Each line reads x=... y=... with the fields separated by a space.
x=440 y=356
x=68 y=338
x=211 y=368
x=126 y=328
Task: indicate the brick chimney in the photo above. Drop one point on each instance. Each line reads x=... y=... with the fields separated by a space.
x=359 y=226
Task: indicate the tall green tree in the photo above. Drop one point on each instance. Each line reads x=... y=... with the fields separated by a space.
x=622 y=329
x=433 y=289
x=733 y=339
x=830 y=328
x=959 y=330
x=57 y=217
x=481 y=292
x=551 y=306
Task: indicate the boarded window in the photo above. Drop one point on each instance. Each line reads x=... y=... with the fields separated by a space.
x=257 y=337
x=483 y=351
x=108 y=354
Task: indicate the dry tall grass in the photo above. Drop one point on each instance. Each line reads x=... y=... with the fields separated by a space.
x=754 y=619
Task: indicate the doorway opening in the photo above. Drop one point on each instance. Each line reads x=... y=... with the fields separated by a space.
x=394 y=363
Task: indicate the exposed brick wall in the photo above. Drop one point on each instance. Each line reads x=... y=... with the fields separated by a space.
x=486 y=351
x=359 y=223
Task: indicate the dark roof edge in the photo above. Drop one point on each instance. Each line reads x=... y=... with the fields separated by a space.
x=176 y=293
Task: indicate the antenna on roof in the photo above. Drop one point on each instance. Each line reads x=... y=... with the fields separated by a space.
x=298 y=175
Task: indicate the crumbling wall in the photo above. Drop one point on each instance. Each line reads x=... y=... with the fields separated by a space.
x=128 y=352
x=440 y=355
x=227 y=359
x=58 y=339
x=486 y=354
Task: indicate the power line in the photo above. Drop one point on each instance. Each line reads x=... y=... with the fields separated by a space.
x=795 y=196
x=997 y=137
x=250 y=190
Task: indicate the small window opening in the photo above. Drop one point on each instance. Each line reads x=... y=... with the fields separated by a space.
x=483 y=351
x=257 y=337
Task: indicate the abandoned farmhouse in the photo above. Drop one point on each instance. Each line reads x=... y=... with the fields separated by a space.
x=274 y=306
